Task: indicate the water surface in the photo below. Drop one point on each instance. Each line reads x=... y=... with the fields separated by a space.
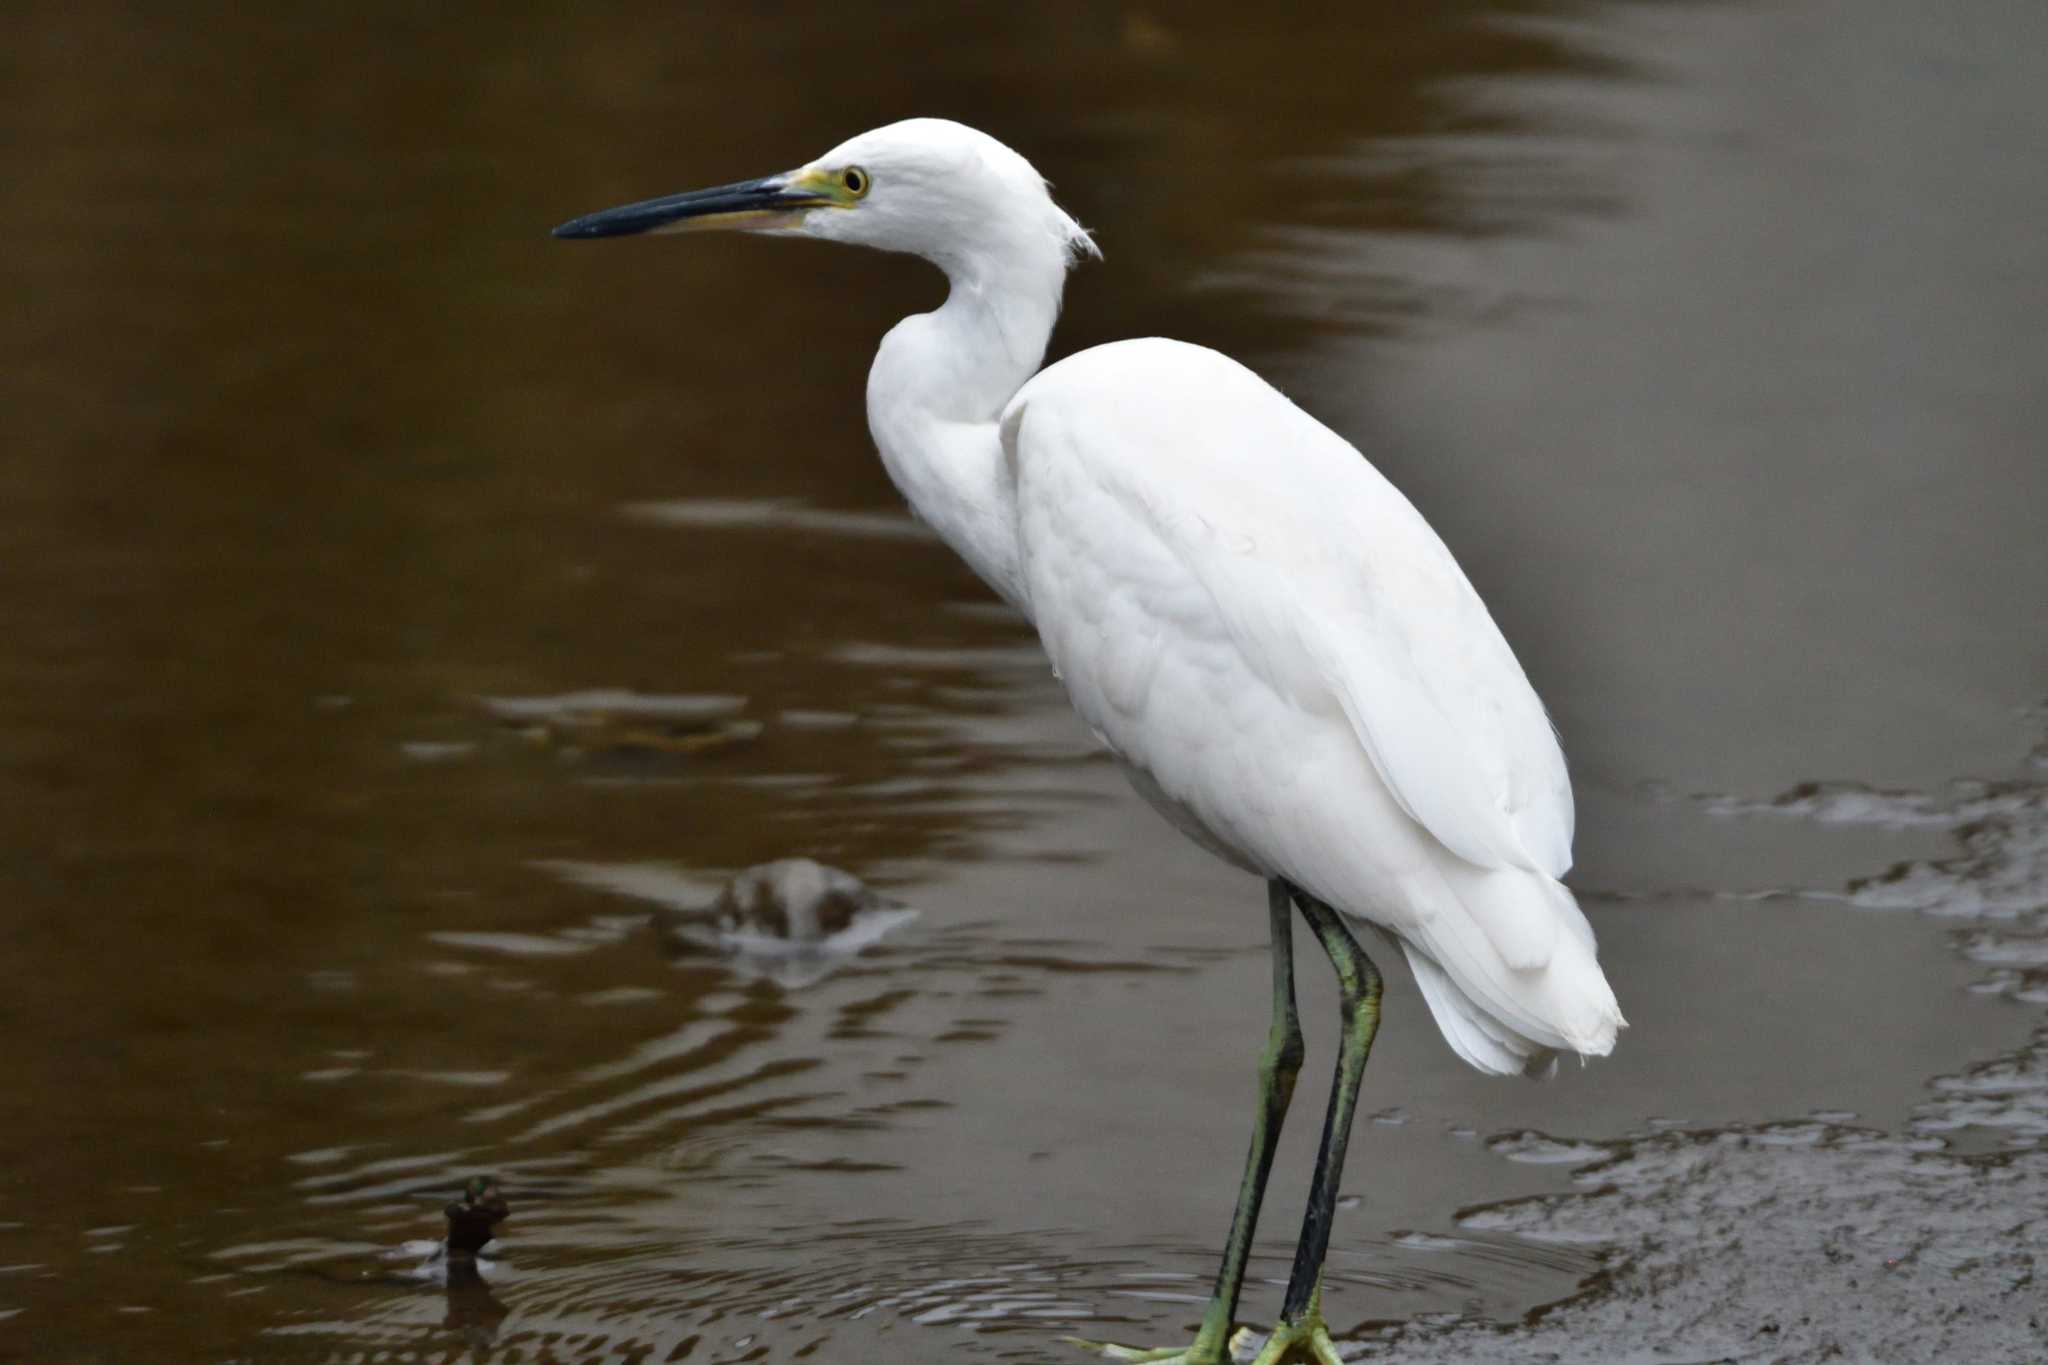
x=369 y=559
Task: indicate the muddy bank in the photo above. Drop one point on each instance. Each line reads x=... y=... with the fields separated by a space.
x=1816 y=1240
x=1796 y=1242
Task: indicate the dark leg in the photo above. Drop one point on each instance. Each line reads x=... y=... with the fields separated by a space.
x=1359 y=982
x=1279 y=1064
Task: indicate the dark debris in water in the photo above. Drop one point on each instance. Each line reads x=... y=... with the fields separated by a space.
x=473 y=1218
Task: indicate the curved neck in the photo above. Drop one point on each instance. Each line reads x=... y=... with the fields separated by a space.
x=936 y=391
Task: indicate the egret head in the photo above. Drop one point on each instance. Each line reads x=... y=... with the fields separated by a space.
x=931 y=187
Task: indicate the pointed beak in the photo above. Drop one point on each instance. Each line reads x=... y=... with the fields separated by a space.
x=776 y=201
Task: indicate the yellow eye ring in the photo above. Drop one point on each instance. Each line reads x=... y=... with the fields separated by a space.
x=856 y=181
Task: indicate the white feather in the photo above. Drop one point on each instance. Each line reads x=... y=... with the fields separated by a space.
x=1275 y=641
x=1283 y=654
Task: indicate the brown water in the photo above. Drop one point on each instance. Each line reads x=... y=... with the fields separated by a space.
x=1710 y=336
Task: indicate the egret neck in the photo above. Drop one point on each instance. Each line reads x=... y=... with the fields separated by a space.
x=937 y=391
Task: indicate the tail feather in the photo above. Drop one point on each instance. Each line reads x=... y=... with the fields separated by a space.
x=1475 y=1037
x=1503 y=1013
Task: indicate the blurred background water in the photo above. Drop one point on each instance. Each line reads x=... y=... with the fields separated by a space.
x=1710 y=337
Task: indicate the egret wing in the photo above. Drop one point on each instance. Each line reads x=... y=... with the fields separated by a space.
x=1333 y=588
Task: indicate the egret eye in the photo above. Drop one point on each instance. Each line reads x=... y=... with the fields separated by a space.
x=856 y=181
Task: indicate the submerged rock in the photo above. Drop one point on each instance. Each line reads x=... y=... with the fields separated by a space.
x=610 y=722
x=790 y=919
x=794 y=899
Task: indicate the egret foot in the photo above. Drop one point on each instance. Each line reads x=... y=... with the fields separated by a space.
x=1207 y=1350
x=1306 y=1342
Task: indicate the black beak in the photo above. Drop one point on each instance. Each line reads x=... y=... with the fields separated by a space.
x=766 y=203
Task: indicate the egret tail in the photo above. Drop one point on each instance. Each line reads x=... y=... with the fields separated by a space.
x=1502 y=1011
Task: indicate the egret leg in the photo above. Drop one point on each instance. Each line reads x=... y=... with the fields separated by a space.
x=1301 y=1332
x=1279 y=1065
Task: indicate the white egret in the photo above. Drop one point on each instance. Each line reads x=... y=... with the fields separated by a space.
x=1283 y=656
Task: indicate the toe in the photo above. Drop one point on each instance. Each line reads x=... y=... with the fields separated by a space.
x=1294 y=1344
x=1112 y=1351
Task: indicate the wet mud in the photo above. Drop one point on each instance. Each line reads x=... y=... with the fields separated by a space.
x=1815 y=1240
x=1790 y=1242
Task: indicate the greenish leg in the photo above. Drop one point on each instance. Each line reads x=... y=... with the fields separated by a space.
x=1279 y=1064
x=1301 y=1330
